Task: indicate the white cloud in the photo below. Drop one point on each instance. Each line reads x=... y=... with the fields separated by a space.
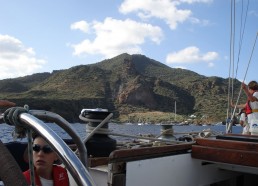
x=80 y=25
x=196 y=1
x=210 y=64
x=166 y=10
x=114 y=37
x=191 y=55
x=253 y=13
x=16 y=59
x=204 y=22
x=182 y=67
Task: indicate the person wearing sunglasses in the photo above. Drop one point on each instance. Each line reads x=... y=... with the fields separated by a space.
x=46 y=172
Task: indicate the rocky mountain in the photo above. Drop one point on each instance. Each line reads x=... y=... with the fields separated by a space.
x=124 y=84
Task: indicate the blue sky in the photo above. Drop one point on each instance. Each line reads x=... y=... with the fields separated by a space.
x=42 y=36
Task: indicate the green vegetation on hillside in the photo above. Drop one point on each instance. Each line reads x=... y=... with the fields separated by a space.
x=130 y=86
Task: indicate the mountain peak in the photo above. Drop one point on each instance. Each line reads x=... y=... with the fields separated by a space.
x=123 y=84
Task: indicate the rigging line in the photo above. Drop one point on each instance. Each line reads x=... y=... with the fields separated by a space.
x=242 y=30
x=230 y=125
x=251 y=56
x=230 y=45
x=233 y=49
x=230 y=63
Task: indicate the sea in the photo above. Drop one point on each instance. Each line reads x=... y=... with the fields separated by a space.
x=7 y=131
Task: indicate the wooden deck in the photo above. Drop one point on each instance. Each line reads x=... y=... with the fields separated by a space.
x=148 y=152
x=125 y=155
x=230 y=149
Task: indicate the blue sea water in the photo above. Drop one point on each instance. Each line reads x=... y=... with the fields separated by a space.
x=80 y=128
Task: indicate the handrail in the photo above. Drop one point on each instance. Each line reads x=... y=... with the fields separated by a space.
x=53 y=117
x=70 y=160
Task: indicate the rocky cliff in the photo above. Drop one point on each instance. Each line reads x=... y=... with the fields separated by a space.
x=124 y=84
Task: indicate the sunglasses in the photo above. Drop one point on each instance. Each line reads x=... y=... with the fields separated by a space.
x=46 y=149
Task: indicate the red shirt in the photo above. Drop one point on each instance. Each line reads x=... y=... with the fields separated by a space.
x=60 y=177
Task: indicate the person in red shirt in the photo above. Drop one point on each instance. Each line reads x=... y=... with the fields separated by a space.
x=46 y=173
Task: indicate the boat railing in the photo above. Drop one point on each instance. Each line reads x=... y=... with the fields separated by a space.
x=23 y=119
x=60 y=121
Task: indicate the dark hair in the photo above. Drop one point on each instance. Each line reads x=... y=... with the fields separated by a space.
x=34 y=135
x=253 y=85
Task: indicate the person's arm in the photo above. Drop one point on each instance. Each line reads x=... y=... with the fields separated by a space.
x=6 y=103
x=241 y=106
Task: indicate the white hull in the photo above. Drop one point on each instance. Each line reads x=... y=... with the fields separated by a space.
x=178 y=170
x=173 y=170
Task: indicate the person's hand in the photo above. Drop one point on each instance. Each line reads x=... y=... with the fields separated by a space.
x=232 y=104
x=244 y=87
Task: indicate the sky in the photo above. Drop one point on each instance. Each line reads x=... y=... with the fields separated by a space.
x=45 y=35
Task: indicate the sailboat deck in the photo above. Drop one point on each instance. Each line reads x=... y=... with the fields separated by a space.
x=239 y=150
x=125 y=155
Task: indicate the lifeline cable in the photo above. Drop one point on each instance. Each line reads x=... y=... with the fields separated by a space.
x=232 y=31
x=30 y=153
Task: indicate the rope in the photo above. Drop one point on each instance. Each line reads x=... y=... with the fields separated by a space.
x=30 y=153
x=233 y=49
x=166 y=132
x=242 y=30
x=89 y=129
x=138 y=137
x=231 y=44
x=94 y=129
x=87 y=119
x=99 y=130
x=251 y=56
x=98 y=127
